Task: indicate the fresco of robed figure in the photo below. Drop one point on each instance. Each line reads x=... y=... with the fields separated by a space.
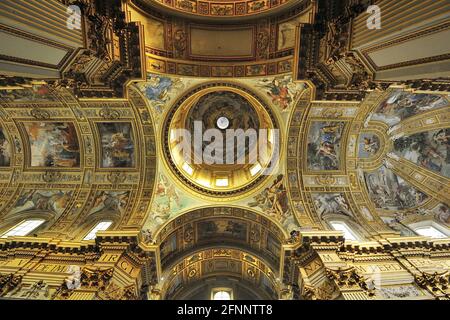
x=430 y=150
x=390 y=192
x=401 y=105
x=5 y=150
x=53 y=144
x=117 y=144
x=324 y=144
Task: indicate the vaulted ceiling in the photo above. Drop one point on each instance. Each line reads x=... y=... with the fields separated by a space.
x=85 y=131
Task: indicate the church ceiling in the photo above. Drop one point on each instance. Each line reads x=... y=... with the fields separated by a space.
x=220 y=10
x=179 y=46
x=131 y=137
x=75 y=161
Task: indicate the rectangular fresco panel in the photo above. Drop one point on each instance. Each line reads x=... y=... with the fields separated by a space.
x=427 y=149
x=117 y=144
x=53 y=144
x=5 y=150
x=208 y=230
x=390 y=192
x=324 y=145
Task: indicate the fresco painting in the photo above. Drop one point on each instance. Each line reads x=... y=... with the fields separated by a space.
x=390 y=192
x=42 y=201
x=273 y=201
x=442 y=213
x=324 y=145
x=167 y=203
x=331 y=203
x=110 y=202
x=222 y=228
x=369 y=145
x=5 y=150
x=53 y=144
x=32 y=92
x=117 y=145
x=160 y=90
x=430 y=150
x=282 y=91
x=402 y=105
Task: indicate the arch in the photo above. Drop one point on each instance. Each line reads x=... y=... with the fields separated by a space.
x=214 y=227
x=196 y=268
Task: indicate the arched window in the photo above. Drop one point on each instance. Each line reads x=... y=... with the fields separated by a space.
x=342 y=226
x=430 y=229
x=24 y=228
x=222 y=294
x=101 y=226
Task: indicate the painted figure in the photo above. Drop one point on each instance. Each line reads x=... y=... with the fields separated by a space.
x=53 y=144
x=5 y=150
x=47 y=201
x=324 y=141
x=390 y=192
x=401 y=105
x=117 y=145
x=427 y=149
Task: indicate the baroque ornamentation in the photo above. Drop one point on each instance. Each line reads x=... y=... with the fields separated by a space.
x=350 y=279
x=8 y=283
x=437 y=283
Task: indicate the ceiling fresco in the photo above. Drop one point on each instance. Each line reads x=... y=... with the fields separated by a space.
x=222 y=9
x=74 y=162
x=172 y=197
x=367 y=183
x=115 y=164
x=373 y=176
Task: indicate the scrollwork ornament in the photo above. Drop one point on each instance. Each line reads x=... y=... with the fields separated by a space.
x=437 y=283
x=39 y=114
x=188 y=234
x=108 y=114
x=8 y=283
x=326 y=179
x=51 y=176
x=309 y=293
x=332 y=113
x=116 y=178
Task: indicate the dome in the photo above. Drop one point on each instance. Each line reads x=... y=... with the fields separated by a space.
x=215 y=139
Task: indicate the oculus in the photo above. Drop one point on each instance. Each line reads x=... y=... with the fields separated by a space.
x=223 y=123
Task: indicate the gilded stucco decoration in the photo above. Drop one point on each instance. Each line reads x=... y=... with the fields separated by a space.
x=393 y=168
x=363 y=163
x=77 y=164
